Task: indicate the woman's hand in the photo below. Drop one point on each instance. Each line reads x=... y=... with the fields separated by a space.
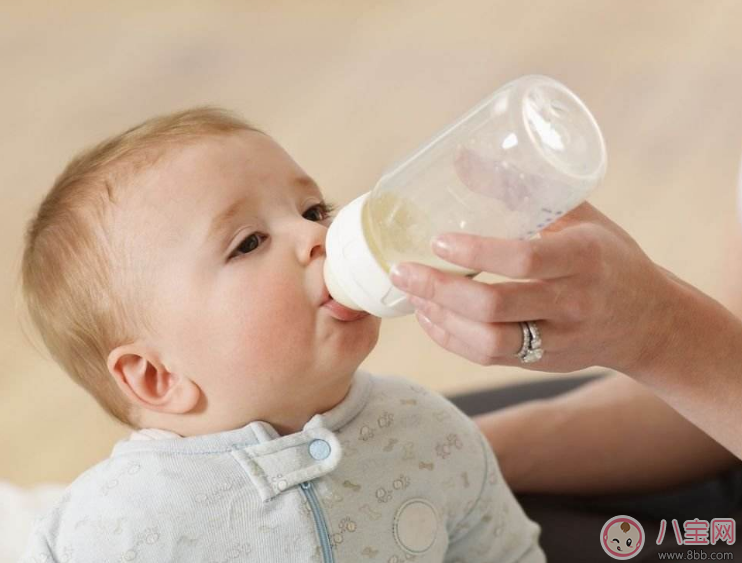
x=595 y=295
x=597 y=299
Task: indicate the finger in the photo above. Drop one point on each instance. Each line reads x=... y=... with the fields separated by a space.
x=451 y=343
x=485 y=302
x=486 y=339
x=555 y=360
x=454 y=344
x=556 y=255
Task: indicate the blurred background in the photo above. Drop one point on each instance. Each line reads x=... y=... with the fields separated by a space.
x=349 y=88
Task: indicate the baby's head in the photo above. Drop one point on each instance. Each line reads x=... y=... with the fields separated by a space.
x=175 y=272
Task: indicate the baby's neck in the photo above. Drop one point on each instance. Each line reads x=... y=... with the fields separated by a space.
x=287 y=418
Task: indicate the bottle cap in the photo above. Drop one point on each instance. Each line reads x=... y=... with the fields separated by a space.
x=352 y=273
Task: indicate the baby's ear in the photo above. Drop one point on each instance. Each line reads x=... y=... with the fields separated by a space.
x=145 y=380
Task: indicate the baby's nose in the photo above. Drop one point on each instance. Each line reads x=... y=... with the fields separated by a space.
x=312 y=245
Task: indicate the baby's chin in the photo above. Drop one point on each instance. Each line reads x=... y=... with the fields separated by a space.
x=365 y=328
x=350 y=356
x=370 y=334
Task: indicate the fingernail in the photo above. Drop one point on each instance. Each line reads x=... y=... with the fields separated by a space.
x=425 y=320
x=400 y=276
x=442 y=247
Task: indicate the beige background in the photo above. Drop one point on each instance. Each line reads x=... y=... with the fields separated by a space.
x=348 y=88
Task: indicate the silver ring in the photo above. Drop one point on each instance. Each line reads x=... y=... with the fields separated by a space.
x=526 y=340
x=531 y=351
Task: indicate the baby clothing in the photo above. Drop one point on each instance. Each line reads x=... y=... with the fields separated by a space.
x=394 y=473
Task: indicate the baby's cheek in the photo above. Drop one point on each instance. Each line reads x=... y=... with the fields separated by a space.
x=265 y=320
x=282 y=320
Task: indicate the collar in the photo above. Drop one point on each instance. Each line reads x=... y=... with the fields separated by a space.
x=153 y=434
x=273 y=462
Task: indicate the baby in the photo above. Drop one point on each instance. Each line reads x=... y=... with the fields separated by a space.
x=175 y=272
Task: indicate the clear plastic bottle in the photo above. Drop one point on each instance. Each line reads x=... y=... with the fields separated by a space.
x=516 y=162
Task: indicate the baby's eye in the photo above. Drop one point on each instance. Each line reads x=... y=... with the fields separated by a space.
x=320 y=212
x=248 y=244
x=628 y=542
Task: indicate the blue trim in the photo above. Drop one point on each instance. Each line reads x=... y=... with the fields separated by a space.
x=319 y=520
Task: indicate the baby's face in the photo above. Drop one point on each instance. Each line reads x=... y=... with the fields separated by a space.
x=622 y=538
x=233 y=235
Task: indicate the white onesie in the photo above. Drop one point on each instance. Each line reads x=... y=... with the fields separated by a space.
x=393 y=473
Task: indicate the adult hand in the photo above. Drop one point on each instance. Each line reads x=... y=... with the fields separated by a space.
x=596 y=297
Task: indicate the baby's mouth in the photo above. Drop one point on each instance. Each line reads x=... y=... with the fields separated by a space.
x=337 y=310
x=341 y=312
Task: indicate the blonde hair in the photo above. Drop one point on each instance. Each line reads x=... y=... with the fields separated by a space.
x=75 y=281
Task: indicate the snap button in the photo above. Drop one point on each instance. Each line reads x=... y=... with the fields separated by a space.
x=319 y=449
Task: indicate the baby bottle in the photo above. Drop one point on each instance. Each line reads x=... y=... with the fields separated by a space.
x=513 y=164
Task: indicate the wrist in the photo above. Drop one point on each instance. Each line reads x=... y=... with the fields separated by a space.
x=661 y=327
x=689 y=333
